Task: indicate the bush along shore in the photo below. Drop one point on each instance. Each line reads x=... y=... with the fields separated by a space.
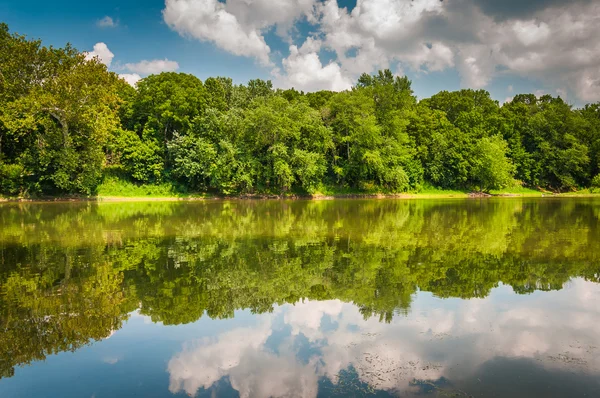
x=71 y=129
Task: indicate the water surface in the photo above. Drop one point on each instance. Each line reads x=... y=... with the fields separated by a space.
x=453 y=298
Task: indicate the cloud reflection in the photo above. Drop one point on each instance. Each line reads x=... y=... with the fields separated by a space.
x=439 y=340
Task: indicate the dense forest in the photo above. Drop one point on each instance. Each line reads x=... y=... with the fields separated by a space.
x=77 y=271
x=67 y=125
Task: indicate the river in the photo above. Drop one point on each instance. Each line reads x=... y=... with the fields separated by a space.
x=334 y=298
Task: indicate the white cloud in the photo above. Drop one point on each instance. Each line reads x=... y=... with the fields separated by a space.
x=152 y=67
x=510 y=88
x=107 y=22
x=530 y=32
x=208 y=20
x=138 y=69
x=102 y=52
x=587 y=84
x=304 y=70
x=240 y=354
x=552 y=41
x=475 y=66
x=130 y=78
x=305 y=317
x=263 y=14
x=383 y=31
x=236 y=26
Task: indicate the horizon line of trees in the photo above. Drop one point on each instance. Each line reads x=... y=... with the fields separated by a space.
x=66 y=123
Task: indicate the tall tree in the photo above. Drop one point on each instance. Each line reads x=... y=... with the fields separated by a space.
x=60 y=119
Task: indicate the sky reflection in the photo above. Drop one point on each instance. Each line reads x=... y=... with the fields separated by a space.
x=440 y=346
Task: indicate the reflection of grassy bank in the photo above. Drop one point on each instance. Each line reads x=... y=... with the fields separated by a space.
x=115 y=189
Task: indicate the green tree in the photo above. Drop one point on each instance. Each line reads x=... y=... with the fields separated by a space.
x=63 y=123
x=492 y=169
x=444 y=151
x=552 y=134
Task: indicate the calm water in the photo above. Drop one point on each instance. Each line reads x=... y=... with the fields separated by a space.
x=457 y=298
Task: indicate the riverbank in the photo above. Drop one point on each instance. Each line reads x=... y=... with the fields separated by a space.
x=439 y=194
x=117 y=190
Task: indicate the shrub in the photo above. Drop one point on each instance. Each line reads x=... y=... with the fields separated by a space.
x=11 y=178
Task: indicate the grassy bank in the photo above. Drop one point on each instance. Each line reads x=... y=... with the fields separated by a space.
x=114 y=189
x=117 y=188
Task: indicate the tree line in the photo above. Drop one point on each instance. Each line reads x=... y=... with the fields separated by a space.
x=66 y=124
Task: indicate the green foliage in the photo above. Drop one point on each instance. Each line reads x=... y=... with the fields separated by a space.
x=372 y=146
x=56 y=112
x=139 y=159
x=310 y=168
x=11 y=178
x=194 y=159
x=550 y=141
x=444 y=150
x=492 y=169
x=113 y=186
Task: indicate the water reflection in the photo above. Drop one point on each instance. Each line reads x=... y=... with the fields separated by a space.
x=336 y=298
x=442 y=347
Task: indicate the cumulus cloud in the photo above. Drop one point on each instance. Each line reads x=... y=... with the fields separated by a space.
x=138 y=69
x=305 y=317
x=304 y=70
x=236 y=26
x=383 y=31
x=552 y=41
x=208 y=20
x=263 y=14
x=506 y=9
x=130 y=78
x=549 y=40
x=102 y=52
x=152 y=67
x=107 y=22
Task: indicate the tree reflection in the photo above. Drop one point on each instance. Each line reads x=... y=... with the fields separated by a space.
x=71 y=274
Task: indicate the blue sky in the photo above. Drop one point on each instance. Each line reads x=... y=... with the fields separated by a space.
x=542 y=46
x=140 y=34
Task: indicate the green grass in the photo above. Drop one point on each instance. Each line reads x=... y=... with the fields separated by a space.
x=115 y=187
x=435 y=191
x=517 y=190
x=583 y=192
x=425 y=192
